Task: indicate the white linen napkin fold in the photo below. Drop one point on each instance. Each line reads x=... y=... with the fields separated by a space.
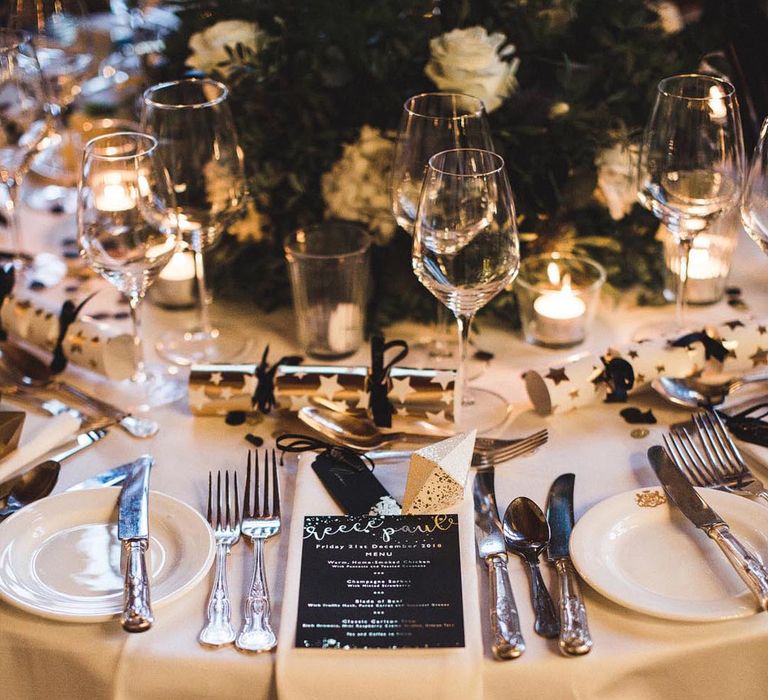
x=394 y=674
x=53 y=432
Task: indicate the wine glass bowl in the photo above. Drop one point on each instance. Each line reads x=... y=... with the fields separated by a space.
x=754 y=204
x=193 y=124
x=466 y=251
x=127 y=230
x=692 y=160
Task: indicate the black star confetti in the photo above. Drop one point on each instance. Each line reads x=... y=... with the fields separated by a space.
x=760 y=357
x=557 y=375
x=733 y=325
x=634 y=416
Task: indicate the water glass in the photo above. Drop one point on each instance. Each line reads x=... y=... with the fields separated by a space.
x=328 y=268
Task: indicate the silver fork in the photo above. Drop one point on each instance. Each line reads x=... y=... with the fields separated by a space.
x=226 y=529
x=259 y=524
x=726 y=460
x=488 y=458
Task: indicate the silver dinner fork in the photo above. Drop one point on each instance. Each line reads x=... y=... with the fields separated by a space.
x=719 y=464
x=226 y=532
x=259 y=524
x=482 y=459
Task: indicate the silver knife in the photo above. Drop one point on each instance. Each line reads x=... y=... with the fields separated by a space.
x=133 y=532
x=507 y=637
x=575 y=638
x=695 y=508
x=113 y=477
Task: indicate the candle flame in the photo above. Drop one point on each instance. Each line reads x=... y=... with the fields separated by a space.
x=717 y=102
x=553 y=273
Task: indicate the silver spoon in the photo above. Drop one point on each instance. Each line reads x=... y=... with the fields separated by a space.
x=39 y=481
x=358 y=433
x=693 y=392
x=526 y=533
x=28 y=370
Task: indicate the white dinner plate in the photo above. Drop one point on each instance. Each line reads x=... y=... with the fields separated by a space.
x=645 y=555
x=60 y=557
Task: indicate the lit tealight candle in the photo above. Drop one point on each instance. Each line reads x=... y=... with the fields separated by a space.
x=175 y=285
x=114 y=194
x=559 y=314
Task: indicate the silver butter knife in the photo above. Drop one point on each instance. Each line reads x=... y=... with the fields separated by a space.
x=113 y=477
x=507 y=637
x=695 y=508
x=133 y=532
x=575 y=638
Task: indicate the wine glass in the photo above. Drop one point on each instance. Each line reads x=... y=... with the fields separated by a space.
x=754 y=203
x=127 y=230
x=465 y=251
x=432 y=122
x=691 y=161
x=193 y=125
x=25 y=120
x=66 y=55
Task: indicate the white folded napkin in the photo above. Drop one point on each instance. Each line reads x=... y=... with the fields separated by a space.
x=53 y=432
x=395 y=674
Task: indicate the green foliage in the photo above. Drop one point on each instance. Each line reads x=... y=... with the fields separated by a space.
x=331 y=66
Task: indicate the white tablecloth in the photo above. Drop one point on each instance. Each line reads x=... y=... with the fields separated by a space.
x=634 y=656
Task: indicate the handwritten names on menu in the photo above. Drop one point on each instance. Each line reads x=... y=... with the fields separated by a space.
x=380 y=582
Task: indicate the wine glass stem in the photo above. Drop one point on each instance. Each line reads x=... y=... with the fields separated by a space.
x=683 y=250
x=140 y=374
x=463 y=399
x=204 y=297
x=12 y=185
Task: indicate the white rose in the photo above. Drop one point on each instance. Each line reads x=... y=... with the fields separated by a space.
x=209 y=46
x=471 y=61
x=670 y=17
x=617 y=178
x=357 y=186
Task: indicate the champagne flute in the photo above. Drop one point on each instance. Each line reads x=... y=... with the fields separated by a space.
x=691 y=162
x=432 y=122
x=127 y=231
x=194 y=127
x=66 y=55
x=465 y=251
x=25 y=121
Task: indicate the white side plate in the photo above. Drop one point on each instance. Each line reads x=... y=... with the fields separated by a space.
x=60 y=557
x=650 y=558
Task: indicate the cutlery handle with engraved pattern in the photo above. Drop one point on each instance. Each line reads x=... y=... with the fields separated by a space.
x=752 y=572
x=574 y=631
x=137 y=613
x=507 y=637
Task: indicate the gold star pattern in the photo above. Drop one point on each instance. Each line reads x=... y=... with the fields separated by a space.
x=215 y=378
x=298 y=402
x=760 y=357
x=640 y=378
x=364 y=400
x=329 y=386
x=401 y=389
x=438 y=417
x=250 y=382
x=198 y=398
x=443 y=378
x=557 y=375
x=574 y=394
x=226 y=393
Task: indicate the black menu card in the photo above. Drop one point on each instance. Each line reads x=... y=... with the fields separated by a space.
x=381 y=582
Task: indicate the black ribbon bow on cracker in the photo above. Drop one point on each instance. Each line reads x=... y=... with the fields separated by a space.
x=67 y=317
x=712 y=347
x=264 y=396
x=345 y=474
x=381 y=406
x=749 y=425
x=619 y=377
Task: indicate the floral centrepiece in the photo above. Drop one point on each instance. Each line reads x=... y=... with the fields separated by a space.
x=317 y=89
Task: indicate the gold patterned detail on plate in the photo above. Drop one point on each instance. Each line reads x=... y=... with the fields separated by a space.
x=650 y=499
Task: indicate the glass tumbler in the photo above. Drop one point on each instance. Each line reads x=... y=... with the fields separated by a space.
x=328 y=268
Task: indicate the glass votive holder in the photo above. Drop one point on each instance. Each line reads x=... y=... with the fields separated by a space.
x=558 y=295
x=709 y=262
x=328 y=265
x=176 y=286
